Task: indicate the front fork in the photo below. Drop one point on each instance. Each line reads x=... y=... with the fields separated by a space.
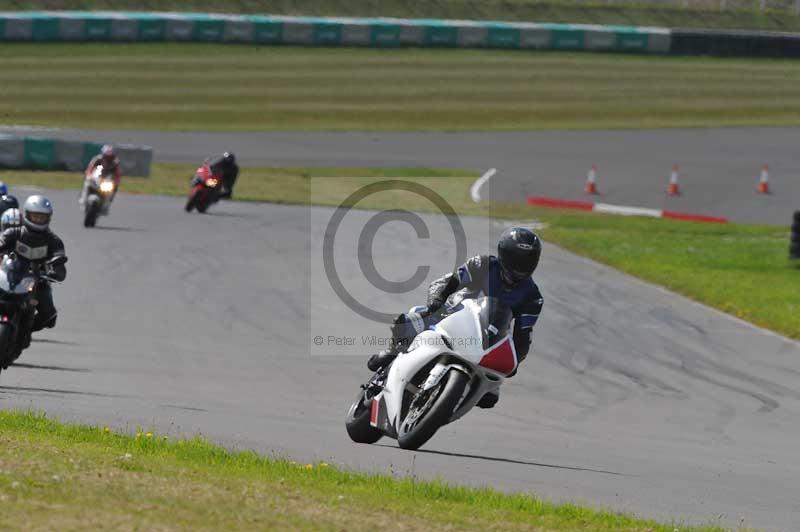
x=375 y=385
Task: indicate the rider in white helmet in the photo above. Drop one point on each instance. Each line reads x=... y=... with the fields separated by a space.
x=110 y=161
x=35 y=241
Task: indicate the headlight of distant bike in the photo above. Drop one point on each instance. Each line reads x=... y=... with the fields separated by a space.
x=28 y=284
x=211 y=182
x=107 y=186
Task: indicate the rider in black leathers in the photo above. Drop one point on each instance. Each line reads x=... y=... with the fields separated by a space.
x=506 y=276
x=225 y=166
x=34 y=240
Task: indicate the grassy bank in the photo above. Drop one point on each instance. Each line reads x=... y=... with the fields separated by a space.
x=75 y=477
x=621 y=12
x=740 y=269
x=276 y=185
x=157 y=86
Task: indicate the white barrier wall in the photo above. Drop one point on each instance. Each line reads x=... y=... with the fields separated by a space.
x=376 y=32
x=55 y=154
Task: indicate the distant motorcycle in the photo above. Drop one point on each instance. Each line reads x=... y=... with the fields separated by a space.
x=205 y=189
x=18 y=280
x=100 y=188
x=441 y=377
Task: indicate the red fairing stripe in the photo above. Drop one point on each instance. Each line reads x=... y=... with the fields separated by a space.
x=500 y=357
x=373 y=413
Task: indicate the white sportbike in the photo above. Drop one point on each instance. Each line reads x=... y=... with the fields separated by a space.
x=98 y=191
x=444 y=373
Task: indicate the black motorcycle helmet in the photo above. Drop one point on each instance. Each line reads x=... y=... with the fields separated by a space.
x=9 y=202
x=518 y=251
x=229 y=157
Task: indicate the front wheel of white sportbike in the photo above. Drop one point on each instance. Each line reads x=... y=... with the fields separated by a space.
x=431 y=409
x=357 y=421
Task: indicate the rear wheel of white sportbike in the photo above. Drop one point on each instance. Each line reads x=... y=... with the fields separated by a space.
x=431 y=409
x=357 y=421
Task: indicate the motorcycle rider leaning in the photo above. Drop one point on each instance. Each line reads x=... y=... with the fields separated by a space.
x=111 y=163
x=225 y=166
x=506 y=276
x=35 y=241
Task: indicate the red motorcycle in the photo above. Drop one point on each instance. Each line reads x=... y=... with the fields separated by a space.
x=205 y=189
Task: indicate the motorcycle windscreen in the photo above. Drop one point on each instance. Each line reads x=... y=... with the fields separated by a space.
x=8 y=267
x=100 y=173
x=495 y=318
x=13 y=271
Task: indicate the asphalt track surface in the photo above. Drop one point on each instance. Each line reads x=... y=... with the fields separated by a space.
x=633 y=398
x=719 y=167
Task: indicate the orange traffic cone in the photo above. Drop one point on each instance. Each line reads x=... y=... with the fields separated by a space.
x=763 y=181
x=674 y=188
x=591 y=185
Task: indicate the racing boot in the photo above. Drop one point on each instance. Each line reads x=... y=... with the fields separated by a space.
x=488 y=400
x=403 y=328
x=43 y=322
x=385 y=357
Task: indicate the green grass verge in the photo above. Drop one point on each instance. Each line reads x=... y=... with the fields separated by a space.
x=740 y=269
x=248 y=88
x=276 y=185
x=66 y=476
x=636 y=12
